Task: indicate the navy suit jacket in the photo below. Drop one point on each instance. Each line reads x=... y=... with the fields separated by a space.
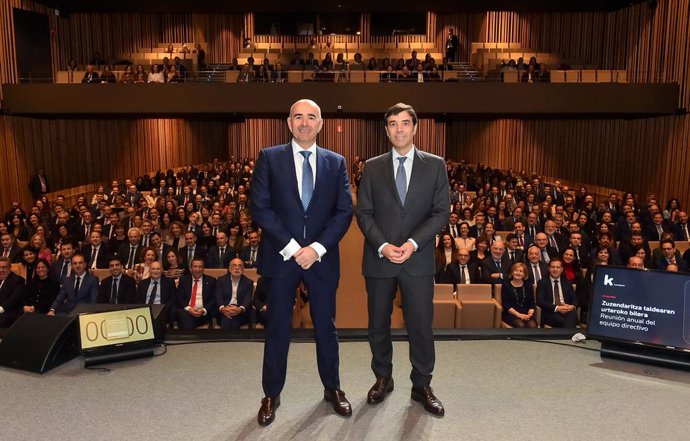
x=67 y=300
x=545 y=295
x=184 y=292
x=213 y=258
x=126 y=290
x=224 y=291
x=277 y=208
x=166 y=287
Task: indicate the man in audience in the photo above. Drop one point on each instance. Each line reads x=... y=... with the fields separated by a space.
x=118 y=287
x=681 y=230
x=536 y=269
x=496 y=267
x=62 y=267
x=628 y=248
x=547 y=252
x=581 y=251
x=524 y=240
x=95 y=253
x=157 y=290
x=192 y=250
x=219 y=255
x=130 y=252
x=195 y=296
x=659 y=226
x=90 y=76
x=452 y=226
x=635 y=262
x=146 y=230
x=556 y=298
x=12 y=293
x=533 y=226
x=555 y=241
x=670 y=256
x=464 y=271
x=80 y=287
x=477 y=229
x=160 y=247
x=606 y=241
x=234 y=296
x=513 y=251
x=250 y=253
x=9 y=249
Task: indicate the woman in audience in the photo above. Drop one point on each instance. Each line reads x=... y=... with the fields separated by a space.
x=17 y=228
x=327 y=61
x=141 y=270
x=385 y=63
x=446 y=253
x=641 y=252
x=42 y=290
x=164 y=223
x=38 y=242
x=127 y=76
x=61 y=235
x=176 y=237
x=400 y=65
x=34 y=223
x=464 y=240
x=571 y=269
x=28 y=263
x=372 y=65
x=156 y=76
x=235 y=239
x=672 y=209
x=119 y=238
x=108 y=76
x=262 y=75
x=517 y=298
x=152 y=197
x=173 y=75
x=467 y=216
x=140 y=77
x=490 y=233
x=172 y=266
x=480 y=251
x=181 y=215
x=207 y=240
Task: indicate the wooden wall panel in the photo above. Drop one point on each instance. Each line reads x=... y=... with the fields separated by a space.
x=79 y=152
x=349 y=137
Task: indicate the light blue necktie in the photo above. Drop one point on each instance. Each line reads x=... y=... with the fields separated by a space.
x=307 y=185
x=401 y=180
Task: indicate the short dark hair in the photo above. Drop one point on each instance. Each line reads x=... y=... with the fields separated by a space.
x=399 y=108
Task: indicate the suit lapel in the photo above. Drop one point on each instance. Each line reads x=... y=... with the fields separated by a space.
x=288 y=163
x=390 y=175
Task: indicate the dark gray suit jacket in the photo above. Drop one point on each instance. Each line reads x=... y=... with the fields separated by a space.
x=382 y=217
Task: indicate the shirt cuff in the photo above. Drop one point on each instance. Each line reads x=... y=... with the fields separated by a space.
x=416 y=247
x=291 y=248
x=320 y=250
x=187 y=308
x=2 y=310
x=381 y=249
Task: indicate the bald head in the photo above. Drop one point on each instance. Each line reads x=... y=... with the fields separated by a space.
x=308 y=102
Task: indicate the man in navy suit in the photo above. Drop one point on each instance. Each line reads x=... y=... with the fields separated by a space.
x=402 y=203
x=301 y=200
x=556 y=298
x=118 y=287
x=12 y=292
x=80 y=287
x=195 y=296
x=234 y=296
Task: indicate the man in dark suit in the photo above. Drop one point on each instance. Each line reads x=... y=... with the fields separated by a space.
x=38 y=184
x=157 y=290
x=12 y=291
x=536 y=269
x=403 y=202
x=195 y=297
x=95 y=252
x=556 y=298
x=657 y=228
x=496 y=266
x=452 y=44
x=681 y=229
x=80 y=287
x=130 y=252
x=62 y=267
x=220 y=255
x=513 y=251
x=191 y=250
x=250 y=253
x=463 y=271
x=301 y=200
x=118 y=287
x=160 y=247
x=234 y=296
x=669 y=255
x=9 y=249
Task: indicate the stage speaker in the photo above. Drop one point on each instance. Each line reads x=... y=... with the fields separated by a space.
x=38 y=343
x=159 y=314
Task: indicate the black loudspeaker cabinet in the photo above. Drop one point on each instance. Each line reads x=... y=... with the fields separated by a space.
x=38 y=343
x=158 y=314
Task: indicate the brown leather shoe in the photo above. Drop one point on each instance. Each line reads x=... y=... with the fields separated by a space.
x=267 y=411
x=425 y=395
x=340 y=404
x=382 y=387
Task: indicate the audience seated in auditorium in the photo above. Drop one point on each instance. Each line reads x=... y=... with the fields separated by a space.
x=107 y=76
x=118 y=287
x=127 y=77
x=12 y=293
x=90 y=76
x=41 y=290
x=195 y=296
x=496 y=266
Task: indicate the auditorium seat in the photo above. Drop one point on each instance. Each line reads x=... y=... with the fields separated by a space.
x=372 y=76
x=558 y=76
x=101 y=273
x=604 y=76
x=588 y=76
x=479 y=310
x=295 y=76
x=444 y=291
x=572 y=76
x=446 y=314
x=231 y=76
x=503 y=234
x=215 y=272
x=251 y=273
x=356 y=76
x=62 y=77
x=621 y=76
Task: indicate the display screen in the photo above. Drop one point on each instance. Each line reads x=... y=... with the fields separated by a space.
x=100 y=329
x=640 y=306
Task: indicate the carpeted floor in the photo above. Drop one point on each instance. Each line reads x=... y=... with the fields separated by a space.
x=492 y=390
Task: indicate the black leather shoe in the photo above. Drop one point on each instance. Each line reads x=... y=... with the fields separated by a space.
x=425 y=395
x=267 y=411
x=382 y=387
x=340 y=404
